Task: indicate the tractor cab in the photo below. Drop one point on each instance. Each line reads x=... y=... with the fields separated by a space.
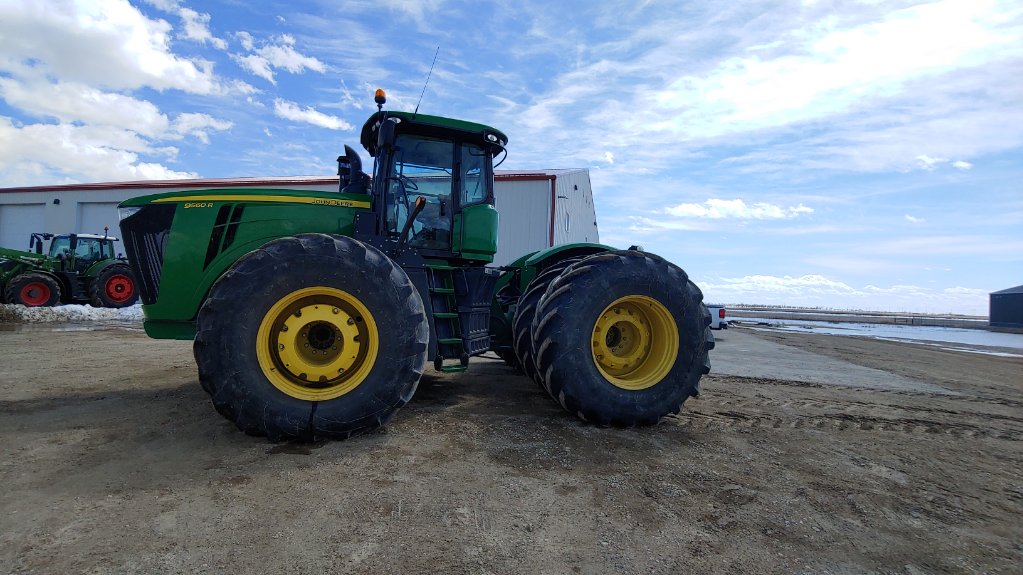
x=78 y=252
x=432 y=184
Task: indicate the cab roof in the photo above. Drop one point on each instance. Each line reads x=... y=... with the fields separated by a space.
x=89 y=236
x=368 y=137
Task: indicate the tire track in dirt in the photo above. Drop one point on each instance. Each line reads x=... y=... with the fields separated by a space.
x=739 y=403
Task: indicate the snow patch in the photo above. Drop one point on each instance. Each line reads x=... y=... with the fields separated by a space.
x=69 y=313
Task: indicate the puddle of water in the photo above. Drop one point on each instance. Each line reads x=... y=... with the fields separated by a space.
x=925 y=335
x=92 y=326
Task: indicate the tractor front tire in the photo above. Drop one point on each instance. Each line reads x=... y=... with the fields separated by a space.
x=114 y=287
x=311 y=337
x=621 y=338
x=33 y=289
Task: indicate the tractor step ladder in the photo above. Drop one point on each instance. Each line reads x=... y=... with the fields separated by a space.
x=445 y=319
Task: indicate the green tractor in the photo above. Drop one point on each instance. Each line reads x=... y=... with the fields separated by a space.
x=77 y=268
x=314 y=313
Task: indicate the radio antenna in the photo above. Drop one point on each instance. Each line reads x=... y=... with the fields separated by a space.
x=427 y=82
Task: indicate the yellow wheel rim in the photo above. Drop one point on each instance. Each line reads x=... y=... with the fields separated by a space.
x=635 y=342
x=317 y=343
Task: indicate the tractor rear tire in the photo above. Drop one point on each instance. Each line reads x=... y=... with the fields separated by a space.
x=311 y=337
x=33 y=289
x=524 y=313
x=621 y=339
x=115 y=287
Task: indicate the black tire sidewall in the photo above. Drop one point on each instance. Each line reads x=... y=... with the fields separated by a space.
x=226 y=350
x=525 y=312
x=570 y=371
x=20 y=281
x=98 y=287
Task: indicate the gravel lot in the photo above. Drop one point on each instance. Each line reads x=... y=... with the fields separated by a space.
x=805 y=454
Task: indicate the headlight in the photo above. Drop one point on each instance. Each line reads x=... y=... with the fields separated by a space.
x=123 y=213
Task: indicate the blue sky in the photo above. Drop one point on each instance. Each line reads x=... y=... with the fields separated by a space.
x=855 y=155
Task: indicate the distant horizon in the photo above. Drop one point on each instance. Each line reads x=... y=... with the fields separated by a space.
x=826 y=310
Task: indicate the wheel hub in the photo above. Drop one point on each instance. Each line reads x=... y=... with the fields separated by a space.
x=317 y=343
x=35 y=294
x=119 y=288
x=635 y=342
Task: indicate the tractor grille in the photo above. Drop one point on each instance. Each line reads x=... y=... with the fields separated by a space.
x=224 y=231
x=145 y=236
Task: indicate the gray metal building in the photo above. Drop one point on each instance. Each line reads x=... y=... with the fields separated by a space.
x=1007 y=308
x=537 y=209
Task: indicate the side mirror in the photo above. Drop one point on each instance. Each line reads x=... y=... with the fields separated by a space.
x=385 y=134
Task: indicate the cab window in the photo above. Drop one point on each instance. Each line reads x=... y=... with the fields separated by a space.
x=60 y=246
x=421 y=167
x=474 y=184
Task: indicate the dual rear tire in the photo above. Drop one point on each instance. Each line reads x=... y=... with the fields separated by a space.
x=620 y=338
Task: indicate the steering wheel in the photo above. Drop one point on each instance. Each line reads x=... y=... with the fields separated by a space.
x=407 y=183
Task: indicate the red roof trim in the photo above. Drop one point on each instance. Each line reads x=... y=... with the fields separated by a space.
x=195 y=183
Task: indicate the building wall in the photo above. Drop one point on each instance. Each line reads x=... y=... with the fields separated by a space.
x=524 y=208
x=575 y=219
x=524 y=202
x=1006 y=310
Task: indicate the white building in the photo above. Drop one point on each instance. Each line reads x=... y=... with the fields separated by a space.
x=537 y=209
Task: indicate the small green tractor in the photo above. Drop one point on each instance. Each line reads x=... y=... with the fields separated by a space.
x=77 y=268
x=314 y=313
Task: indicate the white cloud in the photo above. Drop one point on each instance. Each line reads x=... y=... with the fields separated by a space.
x=75 y=69
x=198 y=126
x=246 y=40
x=197 y=28
x=77 y=102
x=642 y=224
x=73 y=102
x=309 y=115
x=820 y=291
x=609 y=157
x=825 y=70
x=848 y=87
x=415 y=9
x=914 y=219
x=716 y=208
x=67 y=153
x=348 y=99
x=104 y=43
x=928 y=163
x=961 y=165
x=276 y=54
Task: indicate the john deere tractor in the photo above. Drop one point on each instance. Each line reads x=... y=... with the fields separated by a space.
x=314 y=314
x=77 y=268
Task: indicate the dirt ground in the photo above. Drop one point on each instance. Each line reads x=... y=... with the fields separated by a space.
x=114 y=461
